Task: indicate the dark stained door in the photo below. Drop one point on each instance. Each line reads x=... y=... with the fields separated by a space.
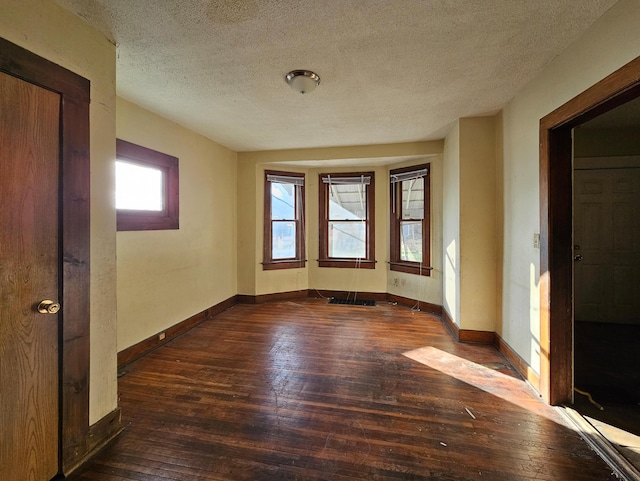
x=29 y=260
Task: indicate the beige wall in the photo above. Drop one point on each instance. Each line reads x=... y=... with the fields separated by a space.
x=611 y=42
x=253 y=280
x=47 y=30
x=478 y=236
x=167 y=276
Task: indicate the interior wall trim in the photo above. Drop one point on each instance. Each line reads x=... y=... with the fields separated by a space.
x=100 y=434
x=468 y=336
x=276 y=296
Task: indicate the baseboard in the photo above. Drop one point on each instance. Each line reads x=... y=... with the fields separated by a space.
x=100 y=434
x=424 y=306
x=449 y=324
x=517 y=362
x=467 y=335
x=276 y=296
x=138 y=350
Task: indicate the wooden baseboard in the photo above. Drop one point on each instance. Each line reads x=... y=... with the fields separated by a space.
x=448 y=322
x=276 y=296
x=374 y=296
x=517 y=362
x=100 y=434
x=424 y=306
x=138 y=350
x=467 y=335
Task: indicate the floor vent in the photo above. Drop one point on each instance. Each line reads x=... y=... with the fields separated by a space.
x=352 y=302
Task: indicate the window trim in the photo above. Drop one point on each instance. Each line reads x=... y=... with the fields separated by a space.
x=166 y=219
x=268 y=263
x=395 y=195
x=324 y=260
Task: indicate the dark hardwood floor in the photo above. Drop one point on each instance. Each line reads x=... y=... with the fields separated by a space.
x=309 y=391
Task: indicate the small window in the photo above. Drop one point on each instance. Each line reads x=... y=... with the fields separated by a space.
x=146 y=188
x=284 y=229
x=347 y=220
x=410 y=225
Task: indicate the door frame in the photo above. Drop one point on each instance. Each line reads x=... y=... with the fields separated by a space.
x=74 y=238
x=556 y=224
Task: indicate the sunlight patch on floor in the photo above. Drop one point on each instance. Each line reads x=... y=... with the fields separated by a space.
x=508 y=388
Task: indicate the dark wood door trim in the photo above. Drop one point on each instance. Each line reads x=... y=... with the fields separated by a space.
x=556 y=226
x=74 y=240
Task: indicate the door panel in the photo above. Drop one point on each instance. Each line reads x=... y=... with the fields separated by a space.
x=607 y=236
x=29 y=173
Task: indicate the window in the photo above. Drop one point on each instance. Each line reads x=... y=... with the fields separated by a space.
x=410 y=225
x=347 y=234
x=284 y=239
x=146 y=188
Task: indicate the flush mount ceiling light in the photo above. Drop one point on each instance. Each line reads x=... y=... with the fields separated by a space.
x=302 y=81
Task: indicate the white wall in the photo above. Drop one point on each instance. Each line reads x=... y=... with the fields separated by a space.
x=166 y=276
x=611 y=42
x=47 y=30
x=451 y=224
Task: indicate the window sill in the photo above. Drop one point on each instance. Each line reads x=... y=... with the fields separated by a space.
x=286 y=264
x=347 y=263
x=411 y=268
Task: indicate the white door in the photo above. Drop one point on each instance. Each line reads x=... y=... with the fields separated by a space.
x=607 y=245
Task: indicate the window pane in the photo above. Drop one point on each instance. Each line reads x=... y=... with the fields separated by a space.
x=413 y=199
x=411 y=241
x=283 y=201
x=138 y=187
x=283 y=242
x=347 y=240
x=347 y=202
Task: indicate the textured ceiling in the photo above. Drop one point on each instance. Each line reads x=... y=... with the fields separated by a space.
x=391 y=71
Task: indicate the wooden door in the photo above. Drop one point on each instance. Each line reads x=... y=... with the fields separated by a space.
x=29 y=272
x=607 y=245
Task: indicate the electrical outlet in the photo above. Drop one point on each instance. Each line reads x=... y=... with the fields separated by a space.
x=394 y=281
x=161 y=336
x=536 y=241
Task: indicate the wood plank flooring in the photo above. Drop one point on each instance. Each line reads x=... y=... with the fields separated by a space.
x=309 y=391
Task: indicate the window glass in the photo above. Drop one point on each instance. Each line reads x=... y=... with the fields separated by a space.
x=347 y=239
x=283 y=243
x=347 y=201
x=413 y=199
x=283 y=201
x=411 y=241
x=138 y=187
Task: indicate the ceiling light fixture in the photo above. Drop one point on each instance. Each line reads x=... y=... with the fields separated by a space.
x=302 y=81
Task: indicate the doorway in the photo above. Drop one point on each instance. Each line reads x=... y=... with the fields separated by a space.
x=63 y=441
x=562 y=255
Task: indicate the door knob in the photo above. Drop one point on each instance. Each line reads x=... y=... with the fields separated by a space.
x=577 y=258
x=48 y=307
